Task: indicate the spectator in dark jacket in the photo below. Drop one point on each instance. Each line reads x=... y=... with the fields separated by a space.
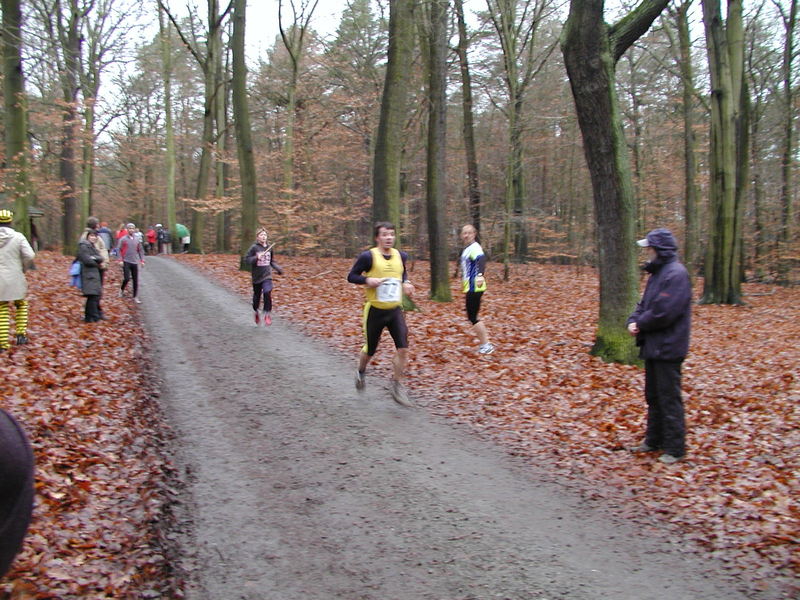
x=16 y=488
x=661 y=324
x=91 y=282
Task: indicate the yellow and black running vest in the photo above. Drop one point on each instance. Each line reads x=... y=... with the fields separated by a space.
x=390 y=293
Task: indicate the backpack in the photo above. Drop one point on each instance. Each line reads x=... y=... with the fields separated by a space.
x=75 y=274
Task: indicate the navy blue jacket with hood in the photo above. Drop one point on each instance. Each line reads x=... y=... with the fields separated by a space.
x=664 y=313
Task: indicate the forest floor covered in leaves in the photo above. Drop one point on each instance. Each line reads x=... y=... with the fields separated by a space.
x=84 y=394
x=542 y=396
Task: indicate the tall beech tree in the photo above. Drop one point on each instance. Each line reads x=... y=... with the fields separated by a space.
x=62 y=22
x=389 y=139
x=294 y=38
x=15 y=119
x=244 y=139
x=591 y=49
x=166 y=75
x=728 y=152
x=207 y=59
x=105 y=27
x=517 y=23
x=680 y=18
x=436 y=28
x=468 y=128
x=789 y=110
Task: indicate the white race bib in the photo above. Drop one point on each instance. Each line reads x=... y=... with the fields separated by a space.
x=390 y=290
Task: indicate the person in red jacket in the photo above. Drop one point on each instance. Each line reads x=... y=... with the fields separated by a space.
x=150 y=236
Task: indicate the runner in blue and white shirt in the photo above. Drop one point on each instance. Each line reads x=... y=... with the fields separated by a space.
x=473 y=263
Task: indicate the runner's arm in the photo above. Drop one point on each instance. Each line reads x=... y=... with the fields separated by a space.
x=362 y=265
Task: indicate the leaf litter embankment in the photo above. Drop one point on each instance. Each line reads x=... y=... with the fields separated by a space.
x=546 y=399
x=83 y=394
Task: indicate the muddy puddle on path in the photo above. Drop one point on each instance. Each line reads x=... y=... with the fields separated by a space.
x=298 y=487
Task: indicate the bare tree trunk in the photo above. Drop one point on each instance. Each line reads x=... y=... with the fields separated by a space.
x=166 y=64
x=15 y=117
x=87 y=163
x=389 y=138
x=725 y=45
x=591 y=49
x=789 y=134
x=436 y=162
x=691 y=194
x=69 y=34
x=241 y=118
x=221 y=120
x=473 y=185
x=683 y=60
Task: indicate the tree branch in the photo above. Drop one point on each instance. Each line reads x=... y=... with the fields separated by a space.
x=633 y=26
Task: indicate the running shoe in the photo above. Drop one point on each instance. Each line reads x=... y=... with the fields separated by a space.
x=400 y=395
x=22 y=339
x=361 y=381
x=669 y=459
x=486 y=348
x=267 y=320
x=643 y=447
x=137 y=301
x=256 y=317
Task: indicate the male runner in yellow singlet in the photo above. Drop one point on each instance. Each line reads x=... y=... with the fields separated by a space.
x=382 y=270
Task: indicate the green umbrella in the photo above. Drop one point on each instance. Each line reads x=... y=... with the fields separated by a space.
x=181 y=230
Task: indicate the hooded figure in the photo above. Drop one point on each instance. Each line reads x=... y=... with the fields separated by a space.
x=16 y=255
x=661 y=323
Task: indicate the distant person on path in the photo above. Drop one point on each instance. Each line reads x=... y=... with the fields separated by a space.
x=163 y=238
x=473 y=265
x=262 y=262
x=91 y=279
x=16 y=255
x=150 y=236
x=131 y=253
x=185 y=237
x=382 y=270
x=16 y=488
x=661 y=324
x=106 y=235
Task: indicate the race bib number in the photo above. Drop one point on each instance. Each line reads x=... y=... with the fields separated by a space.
x=263 y=259
x=390 y=290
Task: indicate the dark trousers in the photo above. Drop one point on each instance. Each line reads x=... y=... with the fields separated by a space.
x=666 y=428
x=130 y=271
x=91 y=312
x=263 y=289
x=102 y=280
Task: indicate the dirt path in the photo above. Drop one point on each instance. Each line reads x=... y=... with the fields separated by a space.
x=300 y=488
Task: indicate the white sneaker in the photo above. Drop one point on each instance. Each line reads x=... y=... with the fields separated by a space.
x=137 y=301
x=486 y=348
x=400 y=395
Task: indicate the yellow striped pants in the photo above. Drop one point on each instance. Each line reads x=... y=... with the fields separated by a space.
x=21 y=319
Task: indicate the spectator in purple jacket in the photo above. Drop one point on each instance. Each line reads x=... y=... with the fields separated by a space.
x=661 y=324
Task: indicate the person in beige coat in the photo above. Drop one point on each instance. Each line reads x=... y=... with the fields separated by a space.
x=16 y=255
